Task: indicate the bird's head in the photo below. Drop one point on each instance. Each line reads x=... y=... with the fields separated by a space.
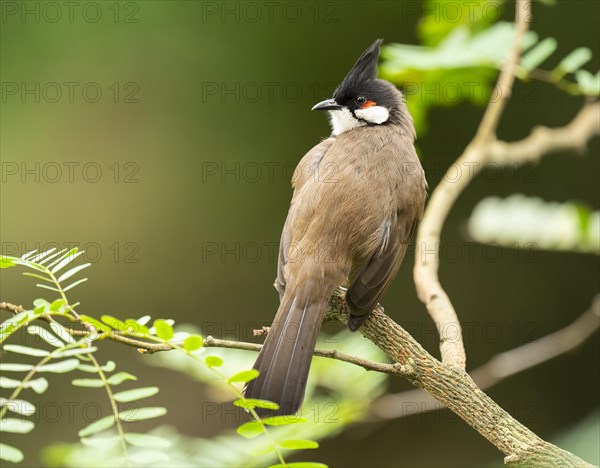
x=361 y=99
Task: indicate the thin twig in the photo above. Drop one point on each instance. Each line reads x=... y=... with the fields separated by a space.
x=210 y=342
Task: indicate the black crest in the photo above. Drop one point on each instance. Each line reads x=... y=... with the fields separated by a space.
x=364 y=70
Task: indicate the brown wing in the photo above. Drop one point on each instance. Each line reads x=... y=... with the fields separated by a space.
x=378 y=272
x=307 y=167
x=284 y=243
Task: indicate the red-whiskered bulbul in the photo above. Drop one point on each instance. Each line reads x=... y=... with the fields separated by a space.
x=358 y=196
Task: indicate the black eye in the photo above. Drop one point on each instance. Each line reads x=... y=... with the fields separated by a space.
x=360 y=100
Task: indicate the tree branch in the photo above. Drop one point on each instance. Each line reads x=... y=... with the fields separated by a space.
x=501 y=366
x=429 y=288
x=454 y=388
x=543 y=140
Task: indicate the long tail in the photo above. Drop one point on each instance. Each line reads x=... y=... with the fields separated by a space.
x=285 y=358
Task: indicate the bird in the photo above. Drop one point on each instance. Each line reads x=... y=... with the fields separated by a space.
x=358 y=197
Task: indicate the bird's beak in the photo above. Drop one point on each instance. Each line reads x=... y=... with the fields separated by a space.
x=327 y=104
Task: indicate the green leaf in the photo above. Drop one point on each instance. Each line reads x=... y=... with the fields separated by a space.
x=135 y=394
x=283 y=420
x=14 y=367
x=256 y=403
x=163 y=329
x=97 y=426
x=537 y=54
x=131 y=327
x=18 y=426
x=436 y=23
x=7 y=262
x=299 y=444
x=39 y=385
x=77 y=352
x=534 y=223
x=51 y=257
x=37 y=258
x=90 y=383
x=243 y=376
x=33 y=266
x=72 y=285
x=143 y=320
x=45 y=286
x=584 y=214
x=16 y=322
x=105 y=443
x=97 y=324
x=28 y=254
x=213 y=361
x=146 y=441
x=459 y=68
x=589 y=84
x=250 y=430
x=5 y=382
x=108 y=367
x=10 y=453
x=40 y=277
x=573 y=61
x=113 y=322
x=61 y=367
x=20 y=349
x=39 y=302
x=60 y=331
x=192 y=343
x=65 y=260
x=45 y=335
x=18 y=406
x=120 y=377
x=67 y=274
x=300 y=465
x=141 y=414
x=57 y=304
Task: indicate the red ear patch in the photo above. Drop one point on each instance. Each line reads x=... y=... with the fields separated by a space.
x=368 y=104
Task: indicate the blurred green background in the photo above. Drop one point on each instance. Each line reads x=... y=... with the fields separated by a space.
x=175 y=180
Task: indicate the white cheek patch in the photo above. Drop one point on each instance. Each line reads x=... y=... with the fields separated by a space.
x=373 y=114
x=342 y=120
